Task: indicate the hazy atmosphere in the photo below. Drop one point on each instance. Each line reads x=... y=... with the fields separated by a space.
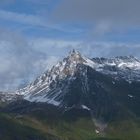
x=35 y=34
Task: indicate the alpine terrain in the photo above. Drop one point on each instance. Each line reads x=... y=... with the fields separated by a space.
x=77 y=99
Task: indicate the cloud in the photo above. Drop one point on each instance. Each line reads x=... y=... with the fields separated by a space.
x=19 y=62
x=22 y=60
x=102 y=15
x=110 y=49
x=98 y=10
x=60 y=48
x=53 y=47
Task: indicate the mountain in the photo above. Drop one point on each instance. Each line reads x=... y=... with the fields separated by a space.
x=104 y=92
x=50 y=86
x=80 y=82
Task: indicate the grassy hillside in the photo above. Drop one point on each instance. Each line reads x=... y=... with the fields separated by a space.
x=24 y=127
x=13 y=129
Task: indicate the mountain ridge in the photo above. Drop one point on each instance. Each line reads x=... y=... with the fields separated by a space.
x=123 y=67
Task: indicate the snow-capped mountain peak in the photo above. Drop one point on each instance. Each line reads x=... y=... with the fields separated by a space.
x=63 y=70
x=53 y=84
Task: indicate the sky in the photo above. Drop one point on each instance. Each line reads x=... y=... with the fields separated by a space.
x=36 y=34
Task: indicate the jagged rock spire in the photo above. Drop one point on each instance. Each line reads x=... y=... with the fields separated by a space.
x=75 y=57
x=74 y=52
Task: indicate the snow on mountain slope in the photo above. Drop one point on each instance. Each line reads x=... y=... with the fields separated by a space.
x=43 y=89
x=121 y=62
x=54 y=83
x=8 y=97
x=124 y=67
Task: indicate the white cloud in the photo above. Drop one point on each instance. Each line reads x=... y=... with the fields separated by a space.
x=103 y=15
x=89 y=48
x=44 y=64
x=17 y=61
x=23 y=60
x=99 y=10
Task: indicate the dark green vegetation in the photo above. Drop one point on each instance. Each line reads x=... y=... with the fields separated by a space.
x=30 y=121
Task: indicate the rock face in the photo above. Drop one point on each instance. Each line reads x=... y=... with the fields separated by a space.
x=101 y=86
x=54 y=84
